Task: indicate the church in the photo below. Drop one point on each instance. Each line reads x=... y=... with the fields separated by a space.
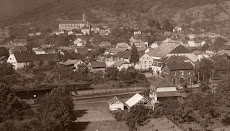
x=73 y=24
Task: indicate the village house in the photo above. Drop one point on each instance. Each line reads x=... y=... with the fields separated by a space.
x=200 y=55
x=182 y=51
x=73 y=24
x=104 y=44
x=145 y=62
x=73 y=64
x=115 y=104
x=157 y=66
x=39 y=51
x=79 y=42
x=136 y=31
x=45 y=59
x=124 y=46
x=179 y=73
x=140 y=41
x=163 y=90
x=121 y=64
x=85 y=30
x=139 y=99
x=156 y=44
x=162 y=50
x=21 y=59
x=96 y=65
x=177 y=29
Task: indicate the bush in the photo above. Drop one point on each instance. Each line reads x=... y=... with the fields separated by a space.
x=120 y=115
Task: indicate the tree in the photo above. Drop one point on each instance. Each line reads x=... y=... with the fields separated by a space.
x=111 y=73
x=56 y=110
x=81 y=74
x=134 y=55
x=11 y=107
x=137 y=116
x=4 y=52
x=205 y=67
x=167 y=25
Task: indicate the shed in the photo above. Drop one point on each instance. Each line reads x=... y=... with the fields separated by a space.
x=115 y=104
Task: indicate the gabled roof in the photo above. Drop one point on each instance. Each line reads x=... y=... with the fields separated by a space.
x=25 y=56
x=85 y=27
x=105 y=43
x=176 y=59
x=162 y=50
x=167 y=94
x=180 y=66
x=113 y=100
x=115 y=50
x=180 y=49
x=122 y=45
x=118 y=63
x=165 y=83
x=70 y=62
x=134 y=100
x=97 y=64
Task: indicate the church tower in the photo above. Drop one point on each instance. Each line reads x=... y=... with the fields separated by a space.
x=83 y=16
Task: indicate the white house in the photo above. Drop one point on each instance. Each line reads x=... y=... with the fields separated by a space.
x=21 y=59
x=115 y=104
x=79 y=42
x=38 y=51
x=145 y=62
x=177 y=29
x=138 y=99
x=165 y=89
x=85 y=30
x=121 y=64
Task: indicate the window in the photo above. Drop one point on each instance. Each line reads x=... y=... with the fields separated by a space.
x=174 y=81
x=189 y=80
x=143 y=58
x=182 y=73
x=189 y=73
x=145 y=62
x=150 y=62
x=147 y=58
x=174 y=73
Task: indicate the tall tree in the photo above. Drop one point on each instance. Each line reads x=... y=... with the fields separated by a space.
x=56 y=110
x=137 y=116
x=222 y=96
x=134 y=55
x=205 y=67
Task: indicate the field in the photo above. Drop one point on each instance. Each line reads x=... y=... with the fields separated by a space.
x=97 y=117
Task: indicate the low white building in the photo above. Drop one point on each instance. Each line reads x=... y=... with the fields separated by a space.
x=115 y=104
x=138 y=99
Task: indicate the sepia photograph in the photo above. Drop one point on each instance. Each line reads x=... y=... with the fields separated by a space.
x=114 y=65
